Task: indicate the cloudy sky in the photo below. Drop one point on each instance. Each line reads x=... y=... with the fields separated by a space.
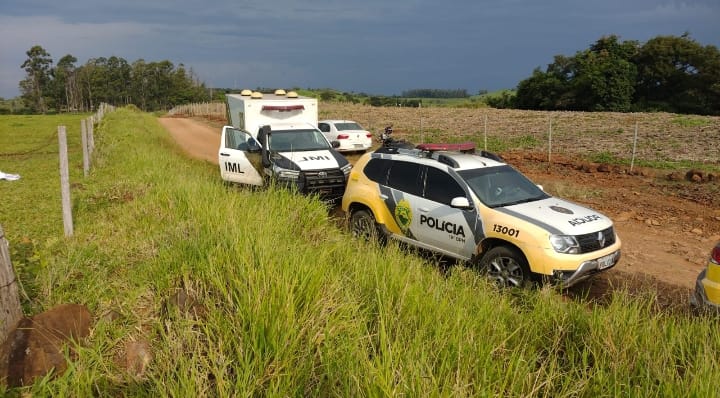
x=372 y=46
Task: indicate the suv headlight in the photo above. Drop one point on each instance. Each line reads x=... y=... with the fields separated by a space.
x=565 y=244
x=346 y=169
x=288 y=174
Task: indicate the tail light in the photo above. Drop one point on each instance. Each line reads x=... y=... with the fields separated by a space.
x=715 y=255
x=343 y=136
x=368 y=135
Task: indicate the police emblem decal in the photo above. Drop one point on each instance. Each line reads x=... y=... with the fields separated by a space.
x=403 y=215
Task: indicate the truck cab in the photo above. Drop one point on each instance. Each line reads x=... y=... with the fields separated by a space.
x=275 y=136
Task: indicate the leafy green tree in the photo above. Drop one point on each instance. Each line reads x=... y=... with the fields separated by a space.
x=66 y=87
x=117 y=81
x=33 y=87
x=677 y=74
x=186 y=87
x=606 y=76
x=601 y=78
x=65 y=91
x=540 y=91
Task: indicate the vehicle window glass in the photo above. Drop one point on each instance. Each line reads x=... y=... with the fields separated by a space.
x=297 y=140
x=347 y=126
x=377 y=170
x=441 y=187
x=237 y=139
x=324 y=127
x=501 y=186
x=406 y=177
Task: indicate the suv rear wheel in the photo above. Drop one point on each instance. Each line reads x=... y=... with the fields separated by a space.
x=506 y=266
x=362 y=225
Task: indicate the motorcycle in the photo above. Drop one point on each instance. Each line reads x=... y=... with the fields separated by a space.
x=387 y=141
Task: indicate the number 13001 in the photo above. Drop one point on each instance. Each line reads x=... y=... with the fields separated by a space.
x=505 y=230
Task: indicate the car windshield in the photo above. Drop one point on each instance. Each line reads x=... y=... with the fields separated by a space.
x=502 y=186
x=347 y=126
x=297 y=140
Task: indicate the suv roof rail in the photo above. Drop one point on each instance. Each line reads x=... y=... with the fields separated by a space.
x=492 y=155
x=448 y=161
x=464 y=147
x=395 y=150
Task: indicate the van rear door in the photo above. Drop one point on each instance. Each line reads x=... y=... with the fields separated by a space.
x=239 y=157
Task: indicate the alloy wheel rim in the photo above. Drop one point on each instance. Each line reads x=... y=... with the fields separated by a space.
x=506 y=272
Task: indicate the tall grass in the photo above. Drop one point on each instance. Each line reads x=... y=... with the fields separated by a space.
x=287 y=304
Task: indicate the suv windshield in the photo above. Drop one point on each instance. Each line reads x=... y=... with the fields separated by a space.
x=502 y=186
x=297 y=140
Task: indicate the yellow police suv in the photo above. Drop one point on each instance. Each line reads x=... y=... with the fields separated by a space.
x=474 y=207
x=707 y=287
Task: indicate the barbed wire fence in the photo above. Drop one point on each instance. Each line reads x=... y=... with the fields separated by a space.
x=87 y=128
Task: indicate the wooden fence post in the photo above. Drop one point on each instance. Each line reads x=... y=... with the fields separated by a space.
x=91 y=137
x=85 y=148
x=65 y=182
x=10 y=310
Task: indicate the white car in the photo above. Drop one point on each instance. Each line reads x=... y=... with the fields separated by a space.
x=351 y=136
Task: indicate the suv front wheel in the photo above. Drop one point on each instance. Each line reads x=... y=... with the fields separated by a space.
x=362 y=225
x=506 y=267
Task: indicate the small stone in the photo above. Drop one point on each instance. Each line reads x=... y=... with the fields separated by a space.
x=137 y=357
x=697 y=231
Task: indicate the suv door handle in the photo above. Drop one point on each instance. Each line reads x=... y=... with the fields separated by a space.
x=424 y=209
x=224 y=154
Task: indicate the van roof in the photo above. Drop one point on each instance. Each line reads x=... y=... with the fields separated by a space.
x=269 y=96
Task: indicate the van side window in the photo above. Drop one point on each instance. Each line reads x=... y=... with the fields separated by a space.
x=406 y=177
x=441 y=187
x=324 y=127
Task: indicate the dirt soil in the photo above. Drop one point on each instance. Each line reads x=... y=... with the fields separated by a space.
x=667 y=223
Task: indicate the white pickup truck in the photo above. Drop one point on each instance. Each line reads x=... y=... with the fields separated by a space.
x=275 y=136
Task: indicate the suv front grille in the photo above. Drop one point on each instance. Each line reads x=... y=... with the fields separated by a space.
x=592 y=242
x=330 y=181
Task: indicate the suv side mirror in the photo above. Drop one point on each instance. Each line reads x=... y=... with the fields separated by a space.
x=460 y=202
x=335 y=144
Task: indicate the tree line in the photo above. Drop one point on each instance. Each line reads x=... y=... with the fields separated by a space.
x=435 y=93
x=67 y=87
x=667 y=73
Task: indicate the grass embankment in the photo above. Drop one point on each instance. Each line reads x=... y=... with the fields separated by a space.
x=287 y=304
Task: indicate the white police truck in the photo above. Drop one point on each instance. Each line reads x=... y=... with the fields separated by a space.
x=275 y=136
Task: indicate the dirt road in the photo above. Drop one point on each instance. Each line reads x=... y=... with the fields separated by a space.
x=198 y=140
x=667 y=229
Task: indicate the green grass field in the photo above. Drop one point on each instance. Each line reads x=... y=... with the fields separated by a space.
x=287 y=303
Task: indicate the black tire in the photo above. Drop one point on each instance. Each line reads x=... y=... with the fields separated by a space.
x=363 y=226
x=506 y=267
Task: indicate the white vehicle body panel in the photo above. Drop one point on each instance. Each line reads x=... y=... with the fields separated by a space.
x=312 y=160
x=560 y=216
x=234 y=163
x=250 y=114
